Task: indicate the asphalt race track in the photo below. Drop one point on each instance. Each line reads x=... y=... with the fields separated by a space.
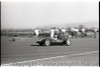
x=26 y=49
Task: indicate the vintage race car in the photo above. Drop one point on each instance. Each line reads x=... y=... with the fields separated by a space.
x=49 y=41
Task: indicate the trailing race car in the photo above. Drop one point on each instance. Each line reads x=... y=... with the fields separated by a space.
x=49 y=41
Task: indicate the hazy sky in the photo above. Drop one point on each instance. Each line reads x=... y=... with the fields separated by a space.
x=33 y=14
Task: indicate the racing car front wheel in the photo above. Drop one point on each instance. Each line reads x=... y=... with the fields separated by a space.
x=47 y=42
x=68 y=42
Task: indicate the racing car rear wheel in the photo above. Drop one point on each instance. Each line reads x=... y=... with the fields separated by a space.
x=68 y=42
x=47 y=42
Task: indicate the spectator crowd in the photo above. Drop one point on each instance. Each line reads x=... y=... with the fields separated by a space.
x=54 y=32
x=72 y=32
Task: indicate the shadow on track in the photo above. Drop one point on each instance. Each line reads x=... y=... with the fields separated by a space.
x=37 y=45
x=50 y=45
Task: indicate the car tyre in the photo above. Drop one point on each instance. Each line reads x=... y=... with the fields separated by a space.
x=68 y=42
x=47 y=42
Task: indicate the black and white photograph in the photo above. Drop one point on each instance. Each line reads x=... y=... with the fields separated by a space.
x=49 y=33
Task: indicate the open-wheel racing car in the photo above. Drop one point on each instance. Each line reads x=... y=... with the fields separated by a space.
x=49 y=41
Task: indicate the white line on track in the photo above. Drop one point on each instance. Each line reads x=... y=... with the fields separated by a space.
x=84 y=53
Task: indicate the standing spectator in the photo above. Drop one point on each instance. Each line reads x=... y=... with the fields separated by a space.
x=83 y=32
x=52 y=32
x=94 y=32
x=63 y=31
x=69 y=31
x=76 y=32
x=37 y=32
x=72 y=32
x=58 y=33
